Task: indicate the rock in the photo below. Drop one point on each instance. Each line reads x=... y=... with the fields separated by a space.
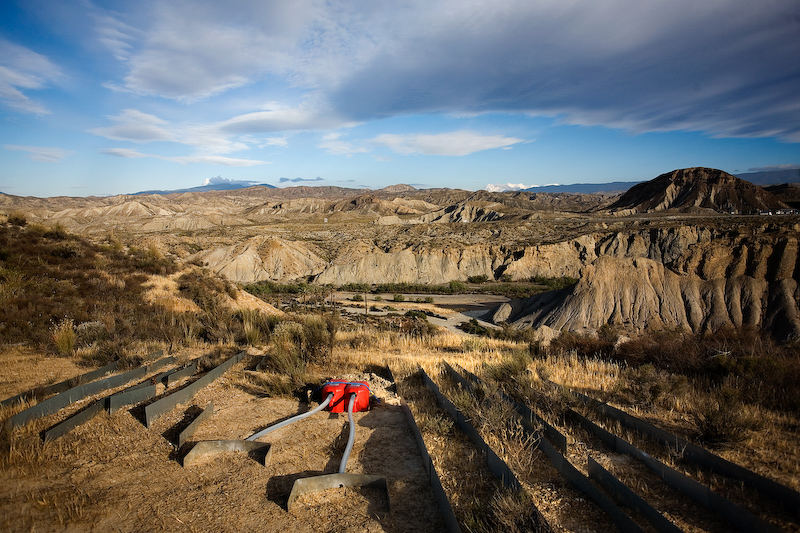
x=502 y=313
x=544 y=335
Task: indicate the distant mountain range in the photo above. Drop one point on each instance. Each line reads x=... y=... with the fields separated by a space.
x=613 y=187
x=773 y=177
x=209 y=187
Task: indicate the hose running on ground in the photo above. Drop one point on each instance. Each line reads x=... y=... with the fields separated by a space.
x=352 y=436
x=288 y=421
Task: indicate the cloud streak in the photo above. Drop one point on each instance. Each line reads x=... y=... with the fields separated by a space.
x=41 y=153
x=457 y=143
x=22 y=69
x=207 y=159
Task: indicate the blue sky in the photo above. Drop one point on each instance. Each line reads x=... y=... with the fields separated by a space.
x=100 y=98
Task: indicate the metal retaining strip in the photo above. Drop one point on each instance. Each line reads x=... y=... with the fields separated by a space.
x=61 y=386
x=187 y=371
x=189 y=430
x=623 y=494
x=167 y=403
x=554 y=436
x=445 y=507
x=74 y=421
x=59 y=401
x=497 y=466
x=572 y=475
x=700 y=456
x=133 y=395
x=737 y=516
x=258 y=451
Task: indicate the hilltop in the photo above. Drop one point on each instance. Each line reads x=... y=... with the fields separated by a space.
x=696 y=188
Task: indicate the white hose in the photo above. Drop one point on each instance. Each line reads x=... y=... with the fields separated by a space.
x=288 y=421
x=352 y=436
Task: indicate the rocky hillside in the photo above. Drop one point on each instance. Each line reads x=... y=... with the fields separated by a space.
x=683 y=278
x=696 y=188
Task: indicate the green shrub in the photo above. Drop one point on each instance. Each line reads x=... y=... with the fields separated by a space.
x=478 y=279
x=398 y=298
x=457 y=286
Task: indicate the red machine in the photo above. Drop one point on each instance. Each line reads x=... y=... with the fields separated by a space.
x=342 y=390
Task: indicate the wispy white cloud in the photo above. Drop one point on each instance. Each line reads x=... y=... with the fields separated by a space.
x=457 y=143
x=41 y=153
x=115 y=35
x=333 y=144
x=195 y=49
x=22 y=69
x=283 y=142
x=208 y=159
x=135 y=126
x=309 y=115
x=210 y=139
x=300 y=180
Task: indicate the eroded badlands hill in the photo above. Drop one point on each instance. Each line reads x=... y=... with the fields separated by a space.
x=681 y=278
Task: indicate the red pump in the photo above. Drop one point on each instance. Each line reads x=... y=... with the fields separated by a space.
x=342 y=390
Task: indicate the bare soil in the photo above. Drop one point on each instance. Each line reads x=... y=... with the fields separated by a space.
x=114 y=474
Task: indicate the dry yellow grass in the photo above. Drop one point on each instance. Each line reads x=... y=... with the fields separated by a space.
x=163 y=292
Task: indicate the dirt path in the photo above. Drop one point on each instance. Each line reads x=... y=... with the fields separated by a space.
x=450 y=309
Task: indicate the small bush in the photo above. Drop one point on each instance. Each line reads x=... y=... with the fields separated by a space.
x=585 y=345
x=398 y=298
x=723 y=418
x=474 y=344
x=64 y=336
x=357 y=298
x=473 y=327
x=457 y=286
x=478 y=279
x=512 y=366
x=365 y=341
x=320 y=334
x=17 y=218
x=288 y=356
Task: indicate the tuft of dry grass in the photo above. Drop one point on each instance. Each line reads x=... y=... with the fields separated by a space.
x=64 y=336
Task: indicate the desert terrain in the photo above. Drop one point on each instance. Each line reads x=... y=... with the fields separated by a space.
x=676 y=302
